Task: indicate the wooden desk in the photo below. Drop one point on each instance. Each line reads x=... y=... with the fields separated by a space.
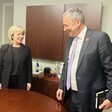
x=12 y=100
x=45 y=85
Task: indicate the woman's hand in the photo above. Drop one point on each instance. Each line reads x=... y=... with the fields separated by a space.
x=28 y=86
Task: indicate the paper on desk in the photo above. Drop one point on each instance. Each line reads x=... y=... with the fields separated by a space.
x=36 y=73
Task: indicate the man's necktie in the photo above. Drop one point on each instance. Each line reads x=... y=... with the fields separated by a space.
x=70 y=62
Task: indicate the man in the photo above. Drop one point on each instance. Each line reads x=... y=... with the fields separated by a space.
x=91 y=68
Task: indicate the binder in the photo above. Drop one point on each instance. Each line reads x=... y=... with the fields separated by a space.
x=100 y=97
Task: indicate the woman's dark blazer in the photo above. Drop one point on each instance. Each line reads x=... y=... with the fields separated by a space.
x=24 y=63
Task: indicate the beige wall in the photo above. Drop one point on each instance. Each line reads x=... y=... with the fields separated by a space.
x=0 y=23
x=6 y=17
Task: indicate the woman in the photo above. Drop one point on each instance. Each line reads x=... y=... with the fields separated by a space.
x=15 y=61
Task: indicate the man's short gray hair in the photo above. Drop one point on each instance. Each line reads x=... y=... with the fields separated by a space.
x=75 y=14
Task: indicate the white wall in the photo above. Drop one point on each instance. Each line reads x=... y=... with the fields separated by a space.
x=6 y=17
x=7 y=21
x=0 y=23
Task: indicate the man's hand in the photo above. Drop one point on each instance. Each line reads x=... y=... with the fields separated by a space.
x=105 y=105
x=28 y=86
x=59 y=94
x=0 y=86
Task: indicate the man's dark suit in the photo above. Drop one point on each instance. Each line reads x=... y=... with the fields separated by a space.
x=94 y=70
x=24 y=63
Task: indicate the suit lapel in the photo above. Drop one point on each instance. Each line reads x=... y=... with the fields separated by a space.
x=69 y=43
x=10 y=52
x=20 y=54
x=84 y=47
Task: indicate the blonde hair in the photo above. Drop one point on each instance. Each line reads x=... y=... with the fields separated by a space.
x=14 y=29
